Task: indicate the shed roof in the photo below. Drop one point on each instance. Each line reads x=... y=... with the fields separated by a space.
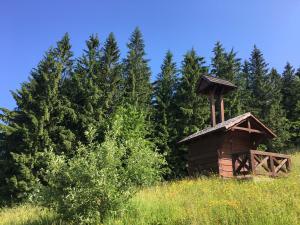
x=226 y=125
x=207 y=83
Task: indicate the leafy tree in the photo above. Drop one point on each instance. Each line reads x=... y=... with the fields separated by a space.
x=137 y=72
x=192 y=109
x=164 y=91
x=102 y=177
x=37 y=123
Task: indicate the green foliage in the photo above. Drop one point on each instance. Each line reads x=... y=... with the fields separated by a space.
x=100 y=178
x=192 y=111
x=64 y=97
x=266 y=98
x=111 y=79
x=216 y=201
x=38 y=123
x=275 y=115
x=164 y=91
x=137 y=72
x=227 y=66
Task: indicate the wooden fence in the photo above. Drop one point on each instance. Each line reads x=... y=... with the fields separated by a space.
x=258 y=162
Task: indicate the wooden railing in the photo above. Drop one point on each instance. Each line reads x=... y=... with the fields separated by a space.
x=258 y=162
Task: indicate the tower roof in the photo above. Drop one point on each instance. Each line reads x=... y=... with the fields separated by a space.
x=219 y=86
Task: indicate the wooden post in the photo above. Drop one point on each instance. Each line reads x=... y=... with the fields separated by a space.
x=221 y=108
x=272 y=166
x=212 y=109
x=252 y=159
x=288 y=165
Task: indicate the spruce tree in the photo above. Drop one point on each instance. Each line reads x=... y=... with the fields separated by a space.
x=137 y=72
x=244 y=88
x=86 y=91
x=227 y=66
x=111 y=76
x=289 y=91
x=164 y=90
x=192 y=109
x=258 y=71
x=291 y=103
x=218 y=62
x=275 y=114
x=37 y=123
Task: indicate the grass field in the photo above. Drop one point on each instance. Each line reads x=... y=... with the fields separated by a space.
x=201 y=201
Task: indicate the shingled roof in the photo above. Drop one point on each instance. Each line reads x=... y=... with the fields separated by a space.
x=208 y=82
x=226 y=125
x=219 y=81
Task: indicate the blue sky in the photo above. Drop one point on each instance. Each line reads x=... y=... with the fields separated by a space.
x=28 y=28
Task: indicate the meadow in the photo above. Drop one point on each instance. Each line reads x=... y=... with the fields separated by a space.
x=204 y=200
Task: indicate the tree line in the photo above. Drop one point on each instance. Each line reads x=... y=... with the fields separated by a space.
x=70 y=105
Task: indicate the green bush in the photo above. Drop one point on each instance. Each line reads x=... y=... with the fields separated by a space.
x=101 y=178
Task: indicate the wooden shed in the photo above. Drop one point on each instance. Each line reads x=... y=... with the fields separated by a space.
x=229 y=147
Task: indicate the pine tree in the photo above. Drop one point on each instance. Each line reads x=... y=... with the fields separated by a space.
x=164 y=90
x=137 y=72
x=192 y=109
x=37 y=123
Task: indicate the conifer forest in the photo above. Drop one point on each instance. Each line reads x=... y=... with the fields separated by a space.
x=88 y=131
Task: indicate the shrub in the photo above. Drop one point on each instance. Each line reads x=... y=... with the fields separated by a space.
x=100 y=178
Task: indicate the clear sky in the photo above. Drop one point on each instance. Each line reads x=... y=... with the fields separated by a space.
x=28 y=28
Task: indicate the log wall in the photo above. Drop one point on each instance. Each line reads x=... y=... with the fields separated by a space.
x=234 y=142
x=203 y=155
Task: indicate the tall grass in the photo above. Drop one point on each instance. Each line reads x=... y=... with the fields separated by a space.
x=27 y=214
x=215 y=201
x=198 y=201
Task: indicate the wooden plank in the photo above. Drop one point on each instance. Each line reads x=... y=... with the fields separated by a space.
x=279 y=167
x=272 y=166
x=221 y=108
x=262 y=162
x=247 y=129
x=212 y=109
x=288 y=165
x=252 y=164
x=256 y=152
x=263 y=165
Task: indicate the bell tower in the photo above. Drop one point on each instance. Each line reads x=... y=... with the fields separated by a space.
x=215 y=89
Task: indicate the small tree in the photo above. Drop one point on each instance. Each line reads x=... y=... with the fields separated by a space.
x=102 y=177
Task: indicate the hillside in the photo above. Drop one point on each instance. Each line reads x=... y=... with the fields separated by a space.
x=199 y=201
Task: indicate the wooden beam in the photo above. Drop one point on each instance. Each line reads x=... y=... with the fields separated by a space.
x=249 y=125
x=248 y=130
x=272 y=167
x=222 y=118
x=280 y=166
x=256 y=152
x=212 y=109
x=262 y=162
x=262 y=165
